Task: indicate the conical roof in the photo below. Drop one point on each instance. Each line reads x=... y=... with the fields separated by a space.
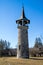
x=23 y=17
x=23 y=13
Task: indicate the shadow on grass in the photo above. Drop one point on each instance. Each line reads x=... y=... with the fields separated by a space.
x=36 y=58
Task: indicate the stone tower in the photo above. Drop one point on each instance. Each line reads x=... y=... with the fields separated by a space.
x=23 y=50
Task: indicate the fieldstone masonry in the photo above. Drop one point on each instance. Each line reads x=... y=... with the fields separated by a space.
x=22 y=51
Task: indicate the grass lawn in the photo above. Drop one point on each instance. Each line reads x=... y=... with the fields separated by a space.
x=15 y=61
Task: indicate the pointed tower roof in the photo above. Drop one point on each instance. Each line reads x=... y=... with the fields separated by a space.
x=23 y=13
x=23 y=17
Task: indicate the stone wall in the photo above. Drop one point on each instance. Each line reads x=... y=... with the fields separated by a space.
x=22 y=50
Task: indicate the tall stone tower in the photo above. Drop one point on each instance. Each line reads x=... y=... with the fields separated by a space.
x=22 y=50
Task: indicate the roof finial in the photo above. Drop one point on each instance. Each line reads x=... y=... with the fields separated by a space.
x=22 y=4
x=23 y=13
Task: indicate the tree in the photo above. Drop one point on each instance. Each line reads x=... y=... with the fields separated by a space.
x=4 y=44
x=7 y=44
x=38 y=42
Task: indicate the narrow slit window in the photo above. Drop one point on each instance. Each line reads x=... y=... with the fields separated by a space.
x=19 y=47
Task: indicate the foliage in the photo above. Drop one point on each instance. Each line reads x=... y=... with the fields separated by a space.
x=4 y=44
x=38 y=42
x=38 y=47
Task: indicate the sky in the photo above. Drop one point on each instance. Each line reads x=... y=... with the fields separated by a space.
x=10 y=11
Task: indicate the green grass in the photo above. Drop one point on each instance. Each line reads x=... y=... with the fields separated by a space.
x=15 y=61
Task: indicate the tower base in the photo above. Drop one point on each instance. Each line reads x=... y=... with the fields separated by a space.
x=23 y=50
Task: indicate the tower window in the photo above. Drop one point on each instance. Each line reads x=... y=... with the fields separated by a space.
x=19 y=47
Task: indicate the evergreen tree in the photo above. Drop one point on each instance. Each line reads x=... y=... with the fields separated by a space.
x=38 y=42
